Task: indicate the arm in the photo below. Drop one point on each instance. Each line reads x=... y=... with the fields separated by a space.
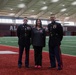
x=18 y=31
x=60 y=32
x=44 y=35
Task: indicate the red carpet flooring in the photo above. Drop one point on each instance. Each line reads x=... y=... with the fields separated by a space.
x=8 y=64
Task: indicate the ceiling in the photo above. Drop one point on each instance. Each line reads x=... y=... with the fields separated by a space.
x=63 y=9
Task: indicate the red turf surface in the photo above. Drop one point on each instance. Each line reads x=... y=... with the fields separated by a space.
x=8 y=64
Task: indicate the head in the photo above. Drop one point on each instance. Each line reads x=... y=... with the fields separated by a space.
x=38 y=23
x=25 y=20
x=52 y=17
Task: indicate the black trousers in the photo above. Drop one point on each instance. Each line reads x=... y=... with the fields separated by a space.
x=21 y=49
x=38 y=55
x=55 y=54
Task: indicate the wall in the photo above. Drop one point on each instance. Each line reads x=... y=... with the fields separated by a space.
x=10 y=30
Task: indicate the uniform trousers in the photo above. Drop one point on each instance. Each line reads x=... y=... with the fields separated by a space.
x=55 y=54
x=21 y=49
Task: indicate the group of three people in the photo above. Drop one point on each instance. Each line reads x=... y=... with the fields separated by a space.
x=38 y=38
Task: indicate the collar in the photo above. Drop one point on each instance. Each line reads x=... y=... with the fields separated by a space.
x=53 y=22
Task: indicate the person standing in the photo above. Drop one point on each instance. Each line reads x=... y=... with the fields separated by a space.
x=38 y=42
x=24 y=35
x=55 y=37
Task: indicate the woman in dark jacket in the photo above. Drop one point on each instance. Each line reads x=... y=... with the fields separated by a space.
x=38 y=42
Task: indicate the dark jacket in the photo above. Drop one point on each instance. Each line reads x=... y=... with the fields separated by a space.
x=24 y=34
x=55 y=33
x=38 y=37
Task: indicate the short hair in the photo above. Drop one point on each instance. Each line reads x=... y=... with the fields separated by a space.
x=52 y=15
x=25 y=17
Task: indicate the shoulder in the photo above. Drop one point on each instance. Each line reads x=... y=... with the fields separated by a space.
x=57 y=23
x=33 y=28
x=49 y=25
x=43 y=28
x=19 y=25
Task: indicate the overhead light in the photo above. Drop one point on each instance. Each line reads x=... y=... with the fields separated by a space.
x=44 y=8
x=11 y=14
x=54 y=0
x=22 y=5
x=43 y=2
x=63 y=5
x=11 y=8
x=64 y=9
x=21 y=0
x=73 y=3
x=66 y=18
x=50 y=12
x=33 y=16
x=32 y=10
x=8 y=8
x=66 y=14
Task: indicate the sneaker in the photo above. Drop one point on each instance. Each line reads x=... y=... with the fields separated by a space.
x=35 y=66
x=39 y=66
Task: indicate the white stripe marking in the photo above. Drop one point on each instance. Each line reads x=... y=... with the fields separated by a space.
x=44 y=51
x=8 y=52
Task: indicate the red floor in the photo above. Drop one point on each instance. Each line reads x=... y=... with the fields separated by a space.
x=8 y=64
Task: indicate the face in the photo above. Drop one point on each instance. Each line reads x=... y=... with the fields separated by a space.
x=25 y=20
x=52 y=18
x=38 y=22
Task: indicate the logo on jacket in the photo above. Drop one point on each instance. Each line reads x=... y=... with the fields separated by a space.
x=25 y=29
x=28 y=28
x=41 y=31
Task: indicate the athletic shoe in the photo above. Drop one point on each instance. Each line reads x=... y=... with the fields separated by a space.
x=39 y=66
x=35 y=66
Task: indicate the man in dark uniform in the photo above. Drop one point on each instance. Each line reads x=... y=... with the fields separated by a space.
x=55 y=37
x=24 y=34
